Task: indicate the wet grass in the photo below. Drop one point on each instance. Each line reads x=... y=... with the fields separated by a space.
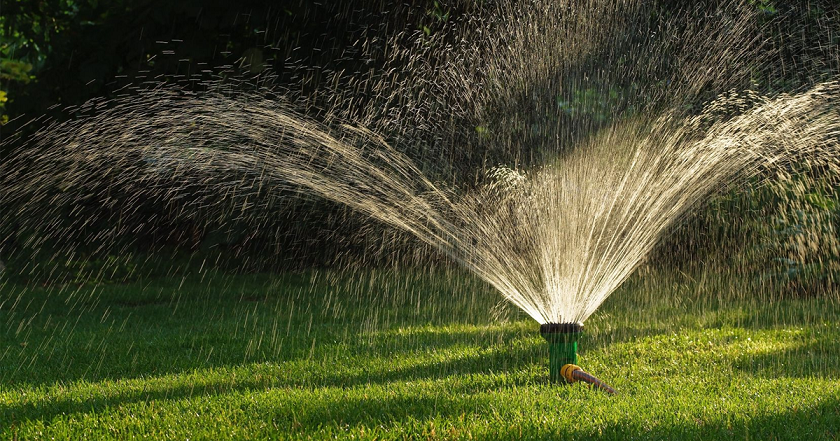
x=412 y=355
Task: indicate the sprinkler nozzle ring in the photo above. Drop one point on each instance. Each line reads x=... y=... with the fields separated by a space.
x=561 y=328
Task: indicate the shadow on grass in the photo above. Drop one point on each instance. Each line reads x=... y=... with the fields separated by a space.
x=432 y=357
x=114 y=332
x=816 y=357
x=161 y=344
x=311 y=410
x=470 y=353
x=311 y=401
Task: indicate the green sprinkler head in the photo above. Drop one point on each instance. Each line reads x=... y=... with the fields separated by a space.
x=562 y=346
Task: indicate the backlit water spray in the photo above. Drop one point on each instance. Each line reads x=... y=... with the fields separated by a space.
x=555 y=236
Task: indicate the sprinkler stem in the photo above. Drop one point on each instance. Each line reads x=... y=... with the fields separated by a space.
x=562 y=347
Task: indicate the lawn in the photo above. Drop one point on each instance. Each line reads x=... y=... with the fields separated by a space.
x=407 y=354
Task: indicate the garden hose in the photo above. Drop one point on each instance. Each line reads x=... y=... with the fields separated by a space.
x=573 y=373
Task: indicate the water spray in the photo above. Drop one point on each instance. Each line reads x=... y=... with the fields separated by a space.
x=562 y=341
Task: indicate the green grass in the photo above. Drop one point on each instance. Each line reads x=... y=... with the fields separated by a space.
x=411 y=355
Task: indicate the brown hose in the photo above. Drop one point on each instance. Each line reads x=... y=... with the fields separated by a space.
x=573 y=373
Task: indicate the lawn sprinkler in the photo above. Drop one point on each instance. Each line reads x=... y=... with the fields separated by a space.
x=562 y=341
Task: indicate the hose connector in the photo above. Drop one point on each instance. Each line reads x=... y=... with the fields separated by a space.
x=573 y=373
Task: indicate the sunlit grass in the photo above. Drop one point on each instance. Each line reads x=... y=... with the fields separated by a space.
x=406 y=355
